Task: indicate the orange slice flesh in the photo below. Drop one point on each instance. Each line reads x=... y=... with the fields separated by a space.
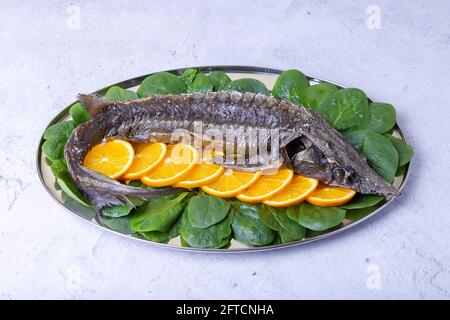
x=326 y=196
x=179 y=161
x=267 y=186
x=112 y=158
x=231 y=183
x=203 y=174
x=296 y=191
x=146 y=157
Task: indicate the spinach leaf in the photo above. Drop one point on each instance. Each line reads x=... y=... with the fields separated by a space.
x=188 y=76
x=379 y=151
x=85 y=212
x=158 y=214
x=404 y=150
x=382 y=117
x=121 y=225
x=203 y=211
x=267 y=217
x=211 y=237
x=277 y=240
x=291 y=230
x=248 y=228
x=201 y=83
x=319 y=218
x=59 y=168
x=313 y=234
x=184 y=242
x=79 y=114
x=346 y=109
x=219 y=80
x=116 y=93
x=67 y=186
x=400 y=171
x=355 y=137
x=312 y=96
x=362 y=201
x=59 y=131
x=247 y=85
x=118 y=211
x=290 y=85
x=164 y=237
x=381 y=154
x=358 y=214
x=54 y=149
x=161 y=83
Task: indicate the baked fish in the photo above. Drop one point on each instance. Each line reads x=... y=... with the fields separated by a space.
x=304 y=141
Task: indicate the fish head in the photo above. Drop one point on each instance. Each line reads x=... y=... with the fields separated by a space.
x=335 y=166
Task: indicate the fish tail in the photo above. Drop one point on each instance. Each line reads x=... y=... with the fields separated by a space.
x=103 y=191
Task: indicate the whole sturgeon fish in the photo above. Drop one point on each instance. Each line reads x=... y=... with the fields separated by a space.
x=306 y=142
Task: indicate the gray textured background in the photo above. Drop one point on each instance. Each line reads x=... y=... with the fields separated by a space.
x=44 y=62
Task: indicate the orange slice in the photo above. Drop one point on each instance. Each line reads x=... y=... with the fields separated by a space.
x=146 y=157
x=203 y=174
x=112 y=158
x=326 y=196
x=296 y=191
x=231 y=183
x=179 y=161
x=267 y=186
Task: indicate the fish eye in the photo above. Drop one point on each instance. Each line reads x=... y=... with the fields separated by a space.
x=339 y=173
x=351 y=178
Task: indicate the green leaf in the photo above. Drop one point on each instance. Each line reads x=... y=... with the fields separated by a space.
x=188 y=76
x=59 y=131
x=358 y=214
x=219 y=79
x=379 y=151
x=79 y=113
x=290 y=85
x=67 y=186
x=184 y=242
x=400 y=171
x=54 y=149
x=356 y=137
x=312 y=96
x=404 y=150
x=277 y=240
x=116 y=93
x=121 y=225
x=211 y=237
x=346 y=109
x=382 y=117
x=158 y=214
x=203 y=211
x=247 y=85
x=59 y=168
x=290 y=230
x=85 y=212
x=267 y=217
x=362 y=201
x=201 y=83
x=248 y=228
x=118 y=211
x=164 y=237
x=381 y=154
x=319 y=218
x=161 y=83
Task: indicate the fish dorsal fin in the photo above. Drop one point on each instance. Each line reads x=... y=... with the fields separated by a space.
x=93 y=103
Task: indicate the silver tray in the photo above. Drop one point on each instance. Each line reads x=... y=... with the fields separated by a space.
x=268 y=77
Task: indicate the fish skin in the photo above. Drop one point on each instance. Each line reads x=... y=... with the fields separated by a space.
x=307 y=141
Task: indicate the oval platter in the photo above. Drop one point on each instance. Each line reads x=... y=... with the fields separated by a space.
x=268 y=77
